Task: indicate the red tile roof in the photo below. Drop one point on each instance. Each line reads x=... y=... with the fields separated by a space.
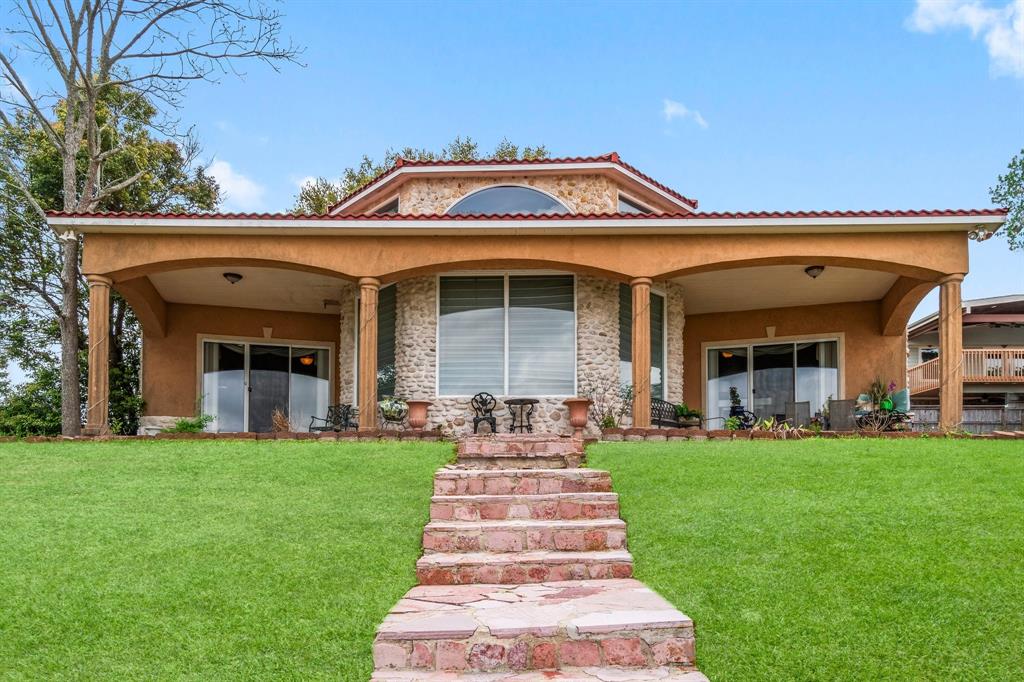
x=714 y=215
x=611 y=157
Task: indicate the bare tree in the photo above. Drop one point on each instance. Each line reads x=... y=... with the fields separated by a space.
x=153 y=47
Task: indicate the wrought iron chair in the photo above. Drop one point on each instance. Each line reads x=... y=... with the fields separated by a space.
x=663 y=413
x=483 y=409
x=339 y=418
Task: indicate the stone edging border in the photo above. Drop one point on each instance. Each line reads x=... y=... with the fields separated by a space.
x=657 y=435
x=362 y=436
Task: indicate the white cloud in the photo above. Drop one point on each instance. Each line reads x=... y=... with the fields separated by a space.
x=304 y=180
x=1002 y=28
x=672 y=110
x=240 y=193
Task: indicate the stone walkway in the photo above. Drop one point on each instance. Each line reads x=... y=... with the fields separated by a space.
x=525 y=576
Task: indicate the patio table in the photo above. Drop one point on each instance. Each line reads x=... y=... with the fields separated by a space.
x=521 y=409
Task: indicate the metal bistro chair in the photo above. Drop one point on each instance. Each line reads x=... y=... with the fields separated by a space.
x=798 y=414
x=483 y=409
x=339 y=418
x=840 y=415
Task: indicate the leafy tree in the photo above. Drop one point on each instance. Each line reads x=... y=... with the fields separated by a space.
x=1009 y=193
x=147 y=50
x=30 y=253
x=317 y=196
x=33 y=408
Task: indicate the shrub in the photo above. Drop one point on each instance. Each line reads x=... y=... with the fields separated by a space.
x=190 y=424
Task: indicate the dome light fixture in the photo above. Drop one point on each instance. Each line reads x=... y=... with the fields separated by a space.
x=232 y=277
x=306 y=360
x=813 y=271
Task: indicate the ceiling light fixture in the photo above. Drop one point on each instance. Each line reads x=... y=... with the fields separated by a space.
x=726 y=354
x=814 y=270
x=232 y=277
x=306 y=360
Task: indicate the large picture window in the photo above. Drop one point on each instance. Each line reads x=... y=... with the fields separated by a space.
x=507 y=335
x=657 y=340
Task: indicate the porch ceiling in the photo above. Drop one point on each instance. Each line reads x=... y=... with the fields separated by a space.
x=779 y=286
x=262 y=288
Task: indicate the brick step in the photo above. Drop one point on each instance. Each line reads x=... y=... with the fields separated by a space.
x=579 y=535
x=549 y=626
x=521 y=567
x=564 y=675
x=533 y=481
x=499 y=507
x=514 y=451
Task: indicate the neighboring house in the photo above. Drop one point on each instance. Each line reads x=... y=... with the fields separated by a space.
x=992 y=356
x=539 y=279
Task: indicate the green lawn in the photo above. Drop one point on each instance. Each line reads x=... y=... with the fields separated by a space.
x=834 y=560
x=205 y=560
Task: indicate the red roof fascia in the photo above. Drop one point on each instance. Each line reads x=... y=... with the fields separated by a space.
x=612 y=157
x=940 y=213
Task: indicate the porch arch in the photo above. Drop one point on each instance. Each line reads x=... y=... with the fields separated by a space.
x=502 y=264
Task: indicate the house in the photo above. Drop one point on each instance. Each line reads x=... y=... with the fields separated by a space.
x=992 y=358
x=540 y=279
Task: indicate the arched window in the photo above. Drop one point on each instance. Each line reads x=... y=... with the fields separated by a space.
x=507 y=199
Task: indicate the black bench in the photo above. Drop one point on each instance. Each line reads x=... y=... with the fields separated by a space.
x=339 y=418
x=663 y=413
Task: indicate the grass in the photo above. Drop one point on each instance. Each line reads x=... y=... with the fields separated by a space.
x=834 y=560
x=209 y=559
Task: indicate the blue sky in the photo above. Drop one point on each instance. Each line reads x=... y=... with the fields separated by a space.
x=740 y=105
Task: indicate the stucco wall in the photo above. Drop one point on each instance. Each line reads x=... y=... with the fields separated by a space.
x=581 y=193
x=866 y=353
x=170 y=364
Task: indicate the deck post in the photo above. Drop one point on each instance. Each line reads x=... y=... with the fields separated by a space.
x=641 y=287
x=369 y=289
x=98 y=394
x=951 y=355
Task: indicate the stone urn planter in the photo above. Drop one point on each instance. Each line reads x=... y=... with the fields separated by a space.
x=418 y=413
x=578 y=410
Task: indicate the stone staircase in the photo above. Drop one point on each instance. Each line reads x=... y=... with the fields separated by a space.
x=526 y=576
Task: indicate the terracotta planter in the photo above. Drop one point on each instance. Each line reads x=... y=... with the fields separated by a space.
x=418 y=413
x=578 y=409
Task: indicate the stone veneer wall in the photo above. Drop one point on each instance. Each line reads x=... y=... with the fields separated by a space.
x=581 y=193
x=416 y=338
x=347 y=344
x=676 y=314
x=597 y=347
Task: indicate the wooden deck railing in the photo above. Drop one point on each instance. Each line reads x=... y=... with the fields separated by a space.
x=981 y=365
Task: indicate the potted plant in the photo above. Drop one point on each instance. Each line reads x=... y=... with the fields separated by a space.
x=578 y=408
x=687 y=416
x=393 y=409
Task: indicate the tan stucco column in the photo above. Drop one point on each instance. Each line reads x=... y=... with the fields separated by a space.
x=98 y=396
x=369 y=288
x=951 y=356
x=641 y=352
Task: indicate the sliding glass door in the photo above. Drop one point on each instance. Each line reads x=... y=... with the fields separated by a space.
x=244 y=385
x=762 y=378
x=774 y=382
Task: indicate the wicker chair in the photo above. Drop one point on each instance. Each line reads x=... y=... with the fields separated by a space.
x=840 y=415
x=798 y=414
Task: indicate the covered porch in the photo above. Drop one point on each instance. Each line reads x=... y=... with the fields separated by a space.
x=676 y=314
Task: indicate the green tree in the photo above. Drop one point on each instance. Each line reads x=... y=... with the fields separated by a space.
x=1009 y=193
x=150 y=48
x=317 y=196
x=30 y=253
